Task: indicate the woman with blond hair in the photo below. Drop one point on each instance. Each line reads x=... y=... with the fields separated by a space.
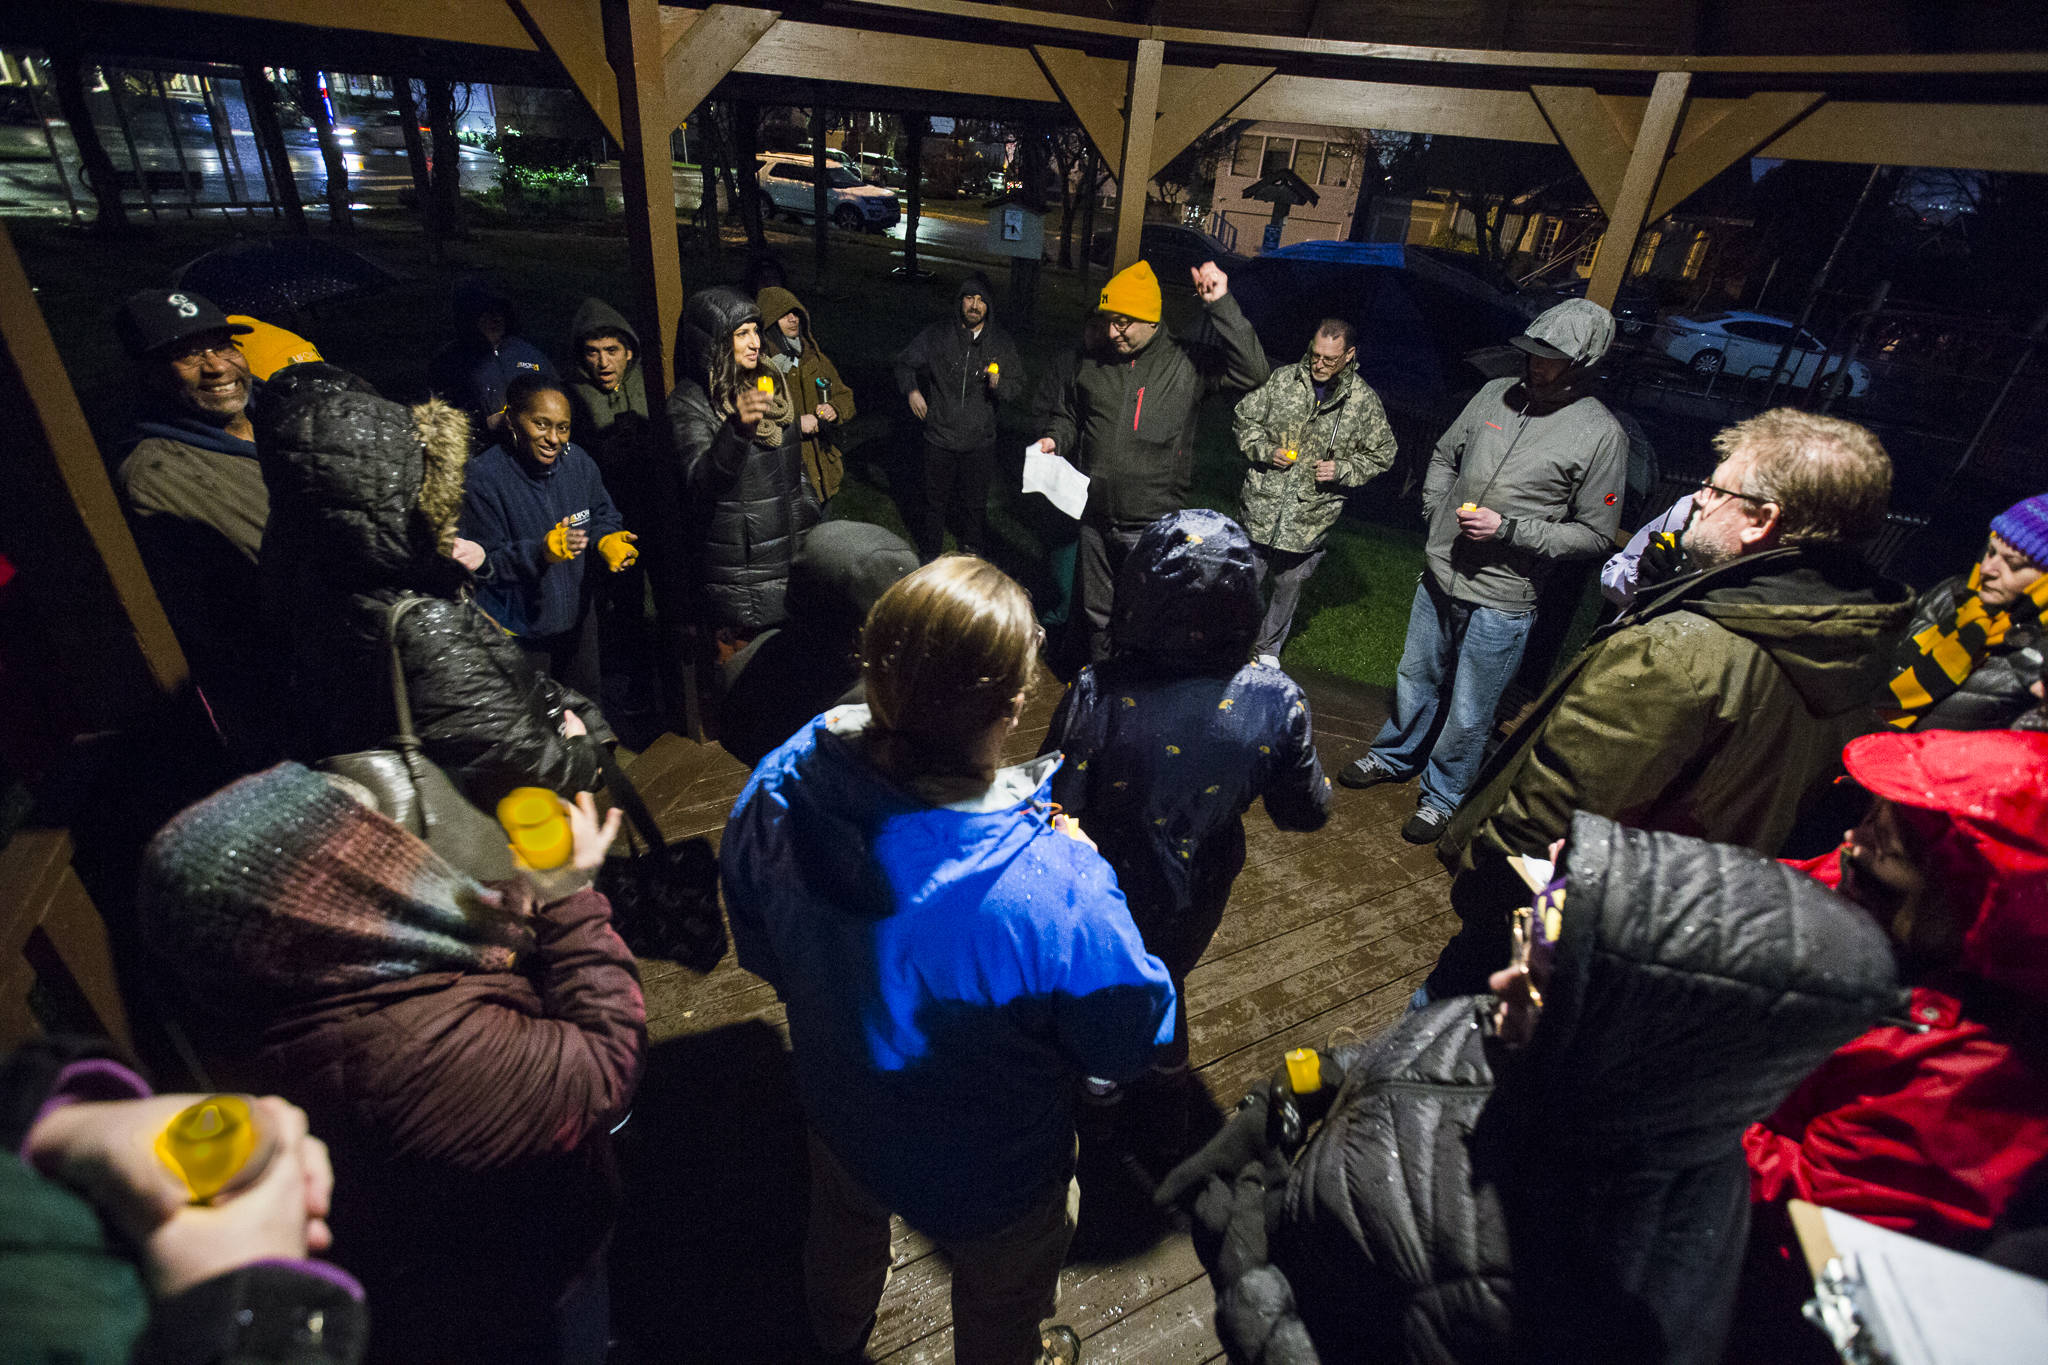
x=954 y=957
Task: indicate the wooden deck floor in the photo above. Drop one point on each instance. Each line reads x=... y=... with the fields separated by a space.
x=1326 y=934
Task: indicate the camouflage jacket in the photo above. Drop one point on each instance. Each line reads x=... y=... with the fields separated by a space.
x=1287 y=509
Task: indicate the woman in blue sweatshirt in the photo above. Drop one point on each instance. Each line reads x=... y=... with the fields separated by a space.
x=534 y=505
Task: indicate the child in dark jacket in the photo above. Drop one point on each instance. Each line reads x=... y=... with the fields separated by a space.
x=1171 y=739
x=535 y=503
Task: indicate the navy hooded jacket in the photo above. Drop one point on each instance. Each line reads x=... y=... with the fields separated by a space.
x=1171 y=740
x=509 y=505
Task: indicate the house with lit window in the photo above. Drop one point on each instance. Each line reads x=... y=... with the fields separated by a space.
x=1555 y=237
x=1328 y=159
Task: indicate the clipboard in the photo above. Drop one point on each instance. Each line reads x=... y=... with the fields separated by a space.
x=1884 y=1298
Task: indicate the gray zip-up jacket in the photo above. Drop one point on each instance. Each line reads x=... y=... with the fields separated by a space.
x=1556 y=480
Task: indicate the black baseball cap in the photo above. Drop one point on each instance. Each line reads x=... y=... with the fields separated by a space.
x=155 y=318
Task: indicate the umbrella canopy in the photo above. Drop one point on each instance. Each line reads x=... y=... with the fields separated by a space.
x=273 y=276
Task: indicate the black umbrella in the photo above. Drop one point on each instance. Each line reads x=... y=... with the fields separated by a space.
x=281 y=275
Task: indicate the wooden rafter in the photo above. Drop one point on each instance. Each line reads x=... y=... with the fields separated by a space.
x=701 y=49
x=1193 y=100
x=1141 y=120
x=487 y=23
x=1652 y=145
x=1715 y=136
x=1597 y=133
x=1094 y=88
x=1281 y=46
x=573 y=30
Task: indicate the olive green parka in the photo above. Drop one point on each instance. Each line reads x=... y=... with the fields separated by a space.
x=1713 y=709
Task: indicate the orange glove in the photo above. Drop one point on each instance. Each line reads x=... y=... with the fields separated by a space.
x=618 y=549
x=558 y=543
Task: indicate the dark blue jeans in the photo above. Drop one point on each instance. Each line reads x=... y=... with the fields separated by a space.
x=1457 y=660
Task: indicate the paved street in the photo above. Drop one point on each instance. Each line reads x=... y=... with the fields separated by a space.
x=29 y=183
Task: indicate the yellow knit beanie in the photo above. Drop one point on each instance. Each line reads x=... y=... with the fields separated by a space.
x=1133 y=292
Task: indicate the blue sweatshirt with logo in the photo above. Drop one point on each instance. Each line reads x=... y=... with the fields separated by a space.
x=509 y=505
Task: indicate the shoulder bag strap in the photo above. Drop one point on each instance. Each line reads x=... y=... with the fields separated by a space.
x=627 y=797
x=406 y=740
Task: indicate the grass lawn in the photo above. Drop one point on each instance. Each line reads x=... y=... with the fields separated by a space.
x=1353 y=614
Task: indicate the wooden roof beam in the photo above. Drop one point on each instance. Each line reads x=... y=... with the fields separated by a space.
x=1651 y=146
x=1718 y=134
x=701 y=49
x=1598 y=134
x=573 y=31
x=489 y=23
x=1282 y=46
x=1134 y=164
x=1192 y=100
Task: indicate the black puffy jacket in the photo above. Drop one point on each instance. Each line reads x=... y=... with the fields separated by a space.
x=1585 y=1197
x=1995 y=694
x=749 y=506
x=364 y=494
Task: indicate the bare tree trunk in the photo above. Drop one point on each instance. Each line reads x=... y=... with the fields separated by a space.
x=447 y=178
x=67 y=73
x=913 y=167
x=821 y=192
x=709 y=153
x=416 y=159
x=1091 y=186
x=746 y=118
x=1066 y=168
x=261 y=98
x=338 y=216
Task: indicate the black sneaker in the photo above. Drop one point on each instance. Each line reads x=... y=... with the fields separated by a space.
x=1426 y=826
x=1361 y=773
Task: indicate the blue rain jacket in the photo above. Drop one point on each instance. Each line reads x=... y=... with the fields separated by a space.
x=949 y=972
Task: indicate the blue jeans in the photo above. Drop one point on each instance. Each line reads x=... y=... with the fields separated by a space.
x=1469 y=653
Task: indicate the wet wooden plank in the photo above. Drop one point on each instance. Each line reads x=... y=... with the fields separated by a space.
x=1174 y=1329
x=1326 y=935
x=1354 y=1018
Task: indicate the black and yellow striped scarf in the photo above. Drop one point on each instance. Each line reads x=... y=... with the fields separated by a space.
x=1950 y=653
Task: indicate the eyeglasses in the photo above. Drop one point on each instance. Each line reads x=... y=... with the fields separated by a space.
x=1120 y=323
x=1709 y=486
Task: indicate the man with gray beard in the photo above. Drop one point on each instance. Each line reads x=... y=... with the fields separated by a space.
x=1720 y=703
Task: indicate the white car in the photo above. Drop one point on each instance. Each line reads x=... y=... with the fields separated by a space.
x=787 y=187
x=1747 y=345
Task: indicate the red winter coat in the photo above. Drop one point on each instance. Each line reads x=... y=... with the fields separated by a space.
x=1928 y=1133
x=468 y=1114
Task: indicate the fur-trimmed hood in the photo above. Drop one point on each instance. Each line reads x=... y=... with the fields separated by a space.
x=367 y=490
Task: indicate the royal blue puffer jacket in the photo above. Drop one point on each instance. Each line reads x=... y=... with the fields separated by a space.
x=950 y=971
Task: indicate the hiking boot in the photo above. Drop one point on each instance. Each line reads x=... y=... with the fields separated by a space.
x=1426 y=826
x=1057 y=1345
x=1361 y=773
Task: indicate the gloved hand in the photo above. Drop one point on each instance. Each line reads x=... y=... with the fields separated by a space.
x=618 y=549
x=558 y=543
x=1664 y=558
x=1230 y=1188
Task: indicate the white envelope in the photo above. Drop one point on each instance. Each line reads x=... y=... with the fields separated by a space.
x=1064 y=485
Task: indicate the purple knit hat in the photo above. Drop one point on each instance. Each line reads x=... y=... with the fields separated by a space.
x=2024 y=526
x=279 y=889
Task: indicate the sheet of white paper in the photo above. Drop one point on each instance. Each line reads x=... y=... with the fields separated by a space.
x=1066 y=486
x=1940 y=1307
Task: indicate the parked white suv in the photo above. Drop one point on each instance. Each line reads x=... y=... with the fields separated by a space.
x=787 y=187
